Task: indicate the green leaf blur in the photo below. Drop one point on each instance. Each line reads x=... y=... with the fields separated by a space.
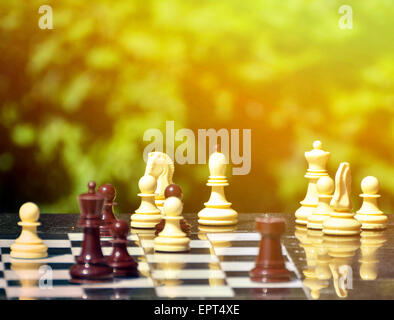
x=75 y=101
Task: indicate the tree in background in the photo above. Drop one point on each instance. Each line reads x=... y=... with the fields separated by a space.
x=76 y=100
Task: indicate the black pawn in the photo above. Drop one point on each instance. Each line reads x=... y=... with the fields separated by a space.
x=122 y=263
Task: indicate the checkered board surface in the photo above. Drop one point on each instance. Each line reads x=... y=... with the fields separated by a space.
x=216 y=267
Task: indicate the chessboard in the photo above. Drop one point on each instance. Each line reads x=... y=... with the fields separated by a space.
x=216 y=267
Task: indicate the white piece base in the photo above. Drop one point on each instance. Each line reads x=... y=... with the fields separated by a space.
x=29 y=251
x=164 y=244
x=217 y=216
x=145 y=221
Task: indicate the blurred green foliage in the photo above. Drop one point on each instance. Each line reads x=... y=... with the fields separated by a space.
x=76 y=100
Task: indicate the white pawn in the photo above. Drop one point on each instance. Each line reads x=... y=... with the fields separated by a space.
x=370 y=216
x=217 y=211
x=147 y=215
x=325 y=189
x=29 y=245
x=172 y=238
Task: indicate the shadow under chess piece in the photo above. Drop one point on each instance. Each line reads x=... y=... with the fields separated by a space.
x=322 y=259
x=217 y=211
x=108 y=218
x=317 y=164
x=342 y=221
x=371 y=241
x=325 y=189
x=161 y=167
x=317 y=272
x=173 y=190
x=342 y=249
x=91 y=266
x=147 y=215
x=172 y=238
x=369 y=215
x=314 y=284
x=29 y=245
x=122 y=263
x=167 y=272
x=28 y=274
x=270 y=264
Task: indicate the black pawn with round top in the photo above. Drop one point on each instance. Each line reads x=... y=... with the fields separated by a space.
x=173 y=190
x=90 y=266
x=108 y=218
x=122 y=263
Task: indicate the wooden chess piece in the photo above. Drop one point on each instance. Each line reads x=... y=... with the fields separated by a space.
x=325 y=189
x=369 y=215
x=122 y=263
x=161 y=167
x=317 y=160
x=217 y=211
x=147 y=216
x=29 y=245
x=342 y=221
x=90 y=266
x=173 y=190
x=172 y=238
x=108 y=218
x=270 y=264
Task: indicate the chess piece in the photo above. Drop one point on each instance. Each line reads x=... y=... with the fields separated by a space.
x=270 y=264
x=90 y=266
x=217 y=211
x=369 y=215
x=342 y=221
x=173 y=190
x=371 y=241
x=29 y=245
x=172 y=238
x=122 y=263
x=317 y=160
x=147 y=215
x=108 y=218
x=160 y=166
x=325 y=189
